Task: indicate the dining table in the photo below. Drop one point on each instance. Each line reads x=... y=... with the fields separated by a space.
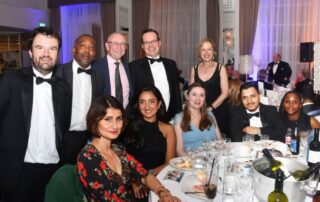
x=176 y=179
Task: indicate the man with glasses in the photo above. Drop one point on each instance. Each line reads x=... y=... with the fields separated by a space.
x=153 y=70
x=116 y=73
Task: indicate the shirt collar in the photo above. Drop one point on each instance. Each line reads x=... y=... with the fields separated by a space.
x=75 y=66
x=250 y=112
x=38 y=74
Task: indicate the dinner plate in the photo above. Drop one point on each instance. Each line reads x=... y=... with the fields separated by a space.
x=181 y=163
x=276 y=145
x=192 y=186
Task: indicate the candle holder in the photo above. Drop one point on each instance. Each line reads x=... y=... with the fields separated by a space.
x=245 y=65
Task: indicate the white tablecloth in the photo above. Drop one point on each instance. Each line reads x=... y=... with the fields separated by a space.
x=175 y=188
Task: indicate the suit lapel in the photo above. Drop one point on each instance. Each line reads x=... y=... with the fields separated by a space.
x=69 y=74
x=93 y=85
x=27 y=95
x=147 y=71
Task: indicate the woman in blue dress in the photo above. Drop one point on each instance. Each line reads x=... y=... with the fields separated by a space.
x=195 y=124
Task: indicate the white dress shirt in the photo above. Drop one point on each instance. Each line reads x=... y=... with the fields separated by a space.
x=255 y=121
x=81 y=98
x=42 y=136
x=161 y=80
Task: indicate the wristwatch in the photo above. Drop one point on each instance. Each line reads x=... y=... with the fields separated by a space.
x=152 y=172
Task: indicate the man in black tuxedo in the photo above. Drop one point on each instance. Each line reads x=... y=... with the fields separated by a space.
x=154 y=70
x=86 y=86
x=116 y=74
x=35 y=110
x=279 y=72
x=305 y=88
x=253 y=118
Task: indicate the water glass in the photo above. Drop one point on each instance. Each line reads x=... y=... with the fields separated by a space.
x=303 y=144
x=229 y=185
x=244 y=183
x=227 y=147
x=248 y=140
x=264 y=140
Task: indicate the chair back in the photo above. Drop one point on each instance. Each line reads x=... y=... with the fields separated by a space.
x=65 y=186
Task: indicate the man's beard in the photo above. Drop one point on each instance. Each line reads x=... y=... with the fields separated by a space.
x=43 y=67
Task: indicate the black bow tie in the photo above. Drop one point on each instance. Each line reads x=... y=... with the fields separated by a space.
x=40 y=80
x=88 y=71
x=152 y=60
x=252 y=115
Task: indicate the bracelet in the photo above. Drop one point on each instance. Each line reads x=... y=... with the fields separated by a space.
x=161 y=189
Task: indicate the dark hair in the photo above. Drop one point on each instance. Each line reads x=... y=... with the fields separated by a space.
x=281 y=109
x=248 y=85
x=98 y=110
x=47 y=31
x=147 y=31
x=132 y=134
x=306 y=89
x=79 y=37
x=205 y=121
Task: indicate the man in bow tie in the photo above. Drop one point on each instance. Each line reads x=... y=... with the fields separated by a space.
x=279 y=72
x=34 y=117
x=153 y=70
x=254 y=118
x=86 y=86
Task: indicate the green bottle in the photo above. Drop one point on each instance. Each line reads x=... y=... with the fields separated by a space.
x=278 y=195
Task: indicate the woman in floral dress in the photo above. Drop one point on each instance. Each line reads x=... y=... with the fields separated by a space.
x=105 y=168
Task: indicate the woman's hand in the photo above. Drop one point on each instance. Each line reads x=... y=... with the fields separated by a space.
x=140 y=191
x=167 y=197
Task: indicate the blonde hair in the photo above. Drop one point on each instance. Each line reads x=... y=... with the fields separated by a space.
x=234 y=92
x=204 y=41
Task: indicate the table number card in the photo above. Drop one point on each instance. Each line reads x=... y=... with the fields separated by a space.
x=175 y=175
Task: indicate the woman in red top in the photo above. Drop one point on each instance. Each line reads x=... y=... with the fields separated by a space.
x=105 y=168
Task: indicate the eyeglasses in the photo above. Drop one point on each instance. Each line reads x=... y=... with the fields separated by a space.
x=121 y=44
x=150 y=42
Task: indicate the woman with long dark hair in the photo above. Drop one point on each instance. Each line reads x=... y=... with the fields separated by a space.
x=105 y=168
x=151 y=141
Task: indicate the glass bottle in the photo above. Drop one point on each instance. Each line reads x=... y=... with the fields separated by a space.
x=278 y=195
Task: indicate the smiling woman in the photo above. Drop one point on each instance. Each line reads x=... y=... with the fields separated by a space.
x=293 y=116
x=151 y=141
x=105 y=169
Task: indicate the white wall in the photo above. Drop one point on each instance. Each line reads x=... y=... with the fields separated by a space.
x=23 y=14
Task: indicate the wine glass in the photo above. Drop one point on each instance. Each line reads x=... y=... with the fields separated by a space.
x=264 y=140
x=210 y=185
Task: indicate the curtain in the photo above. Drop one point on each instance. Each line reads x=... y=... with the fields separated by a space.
x=178 y=25
x=140 y=21
x=247 y=24
x=77 y=20
x=55 y=24
x=108 y=19
x=213 y=23
x=282 y=26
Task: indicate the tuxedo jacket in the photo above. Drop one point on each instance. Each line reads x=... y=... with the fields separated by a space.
x=270 y=119
x=101 y=67
x=16 y=90
x=142 y=77
x=282 y=75
x=97 y=81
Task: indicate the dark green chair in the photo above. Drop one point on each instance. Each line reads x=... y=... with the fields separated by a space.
x=65 y=186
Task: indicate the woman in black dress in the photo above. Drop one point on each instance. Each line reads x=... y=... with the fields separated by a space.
x=151 y=141
x=213 y=77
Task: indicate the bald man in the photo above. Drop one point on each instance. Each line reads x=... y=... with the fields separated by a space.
x=115 y=71
x=279 y=72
